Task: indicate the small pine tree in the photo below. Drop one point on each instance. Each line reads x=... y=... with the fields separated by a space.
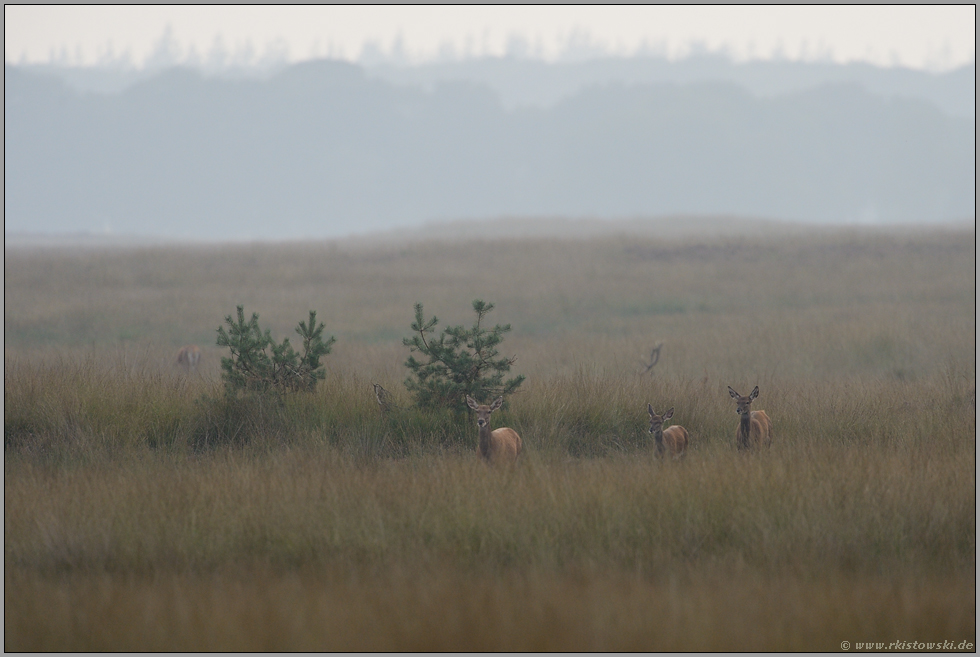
x=460 y=362
x=251 y=367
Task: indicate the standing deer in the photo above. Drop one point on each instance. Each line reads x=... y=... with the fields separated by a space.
x=384 y=398
x=189 y=356
x=754 y=427
x=672 y=439
x=499 y=445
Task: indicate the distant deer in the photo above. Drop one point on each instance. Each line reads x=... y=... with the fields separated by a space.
x=385 y=401
x=754 y=427
x=188 y=357
x=673 y=439
x=500 y=445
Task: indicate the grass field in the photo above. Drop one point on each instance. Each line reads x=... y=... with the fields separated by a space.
x=143 y=511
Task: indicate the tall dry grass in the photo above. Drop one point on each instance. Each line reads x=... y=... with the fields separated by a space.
x=810 y=508
x=144 y=510
x=445 y=610
x=306 y=549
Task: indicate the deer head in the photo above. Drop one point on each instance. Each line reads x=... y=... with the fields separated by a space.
x=483 y=411
x=743 y=404
x=657 y=422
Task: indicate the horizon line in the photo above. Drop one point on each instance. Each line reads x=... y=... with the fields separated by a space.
x=266 y=64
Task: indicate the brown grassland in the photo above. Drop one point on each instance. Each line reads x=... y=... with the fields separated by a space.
x=143 y=510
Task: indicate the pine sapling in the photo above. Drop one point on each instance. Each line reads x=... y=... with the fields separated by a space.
x=459 y=362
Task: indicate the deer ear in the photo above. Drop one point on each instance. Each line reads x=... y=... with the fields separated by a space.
x=755 y=393
x=650 y=410
x=496 y=403
x=734 y=394
x=471 y=402
x=669 y=414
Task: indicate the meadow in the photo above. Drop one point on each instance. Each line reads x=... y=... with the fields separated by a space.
x=144 y=510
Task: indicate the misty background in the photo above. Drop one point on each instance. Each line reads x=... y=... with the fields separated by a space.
x=330 y=148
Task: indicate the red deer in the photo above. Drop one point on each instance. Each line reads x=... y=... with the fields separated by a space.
x=188 y=357
x=499 y=445
x=754 y=427
x=385 y=402
x=672 y=439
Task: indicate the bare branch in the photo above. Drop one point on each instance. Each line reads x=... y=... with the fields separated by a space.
x=654 y=358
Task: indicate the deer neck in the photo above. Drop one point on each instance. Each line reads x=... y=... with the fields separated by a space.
x=658 y=437
x=745 y=426
x=485 y=438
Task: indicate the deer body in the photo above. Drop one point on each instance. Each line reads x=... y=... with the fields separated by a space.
x=189 y=356
x=673 y=439
x=500 y=445
x=385 y=402
x=754 y=427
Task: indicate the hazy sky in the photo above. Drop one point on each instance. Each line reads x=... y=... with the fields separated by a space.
x=916 y=36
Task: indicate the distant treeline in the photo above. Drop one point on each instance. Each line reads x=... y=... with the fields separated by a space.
x=323 y=149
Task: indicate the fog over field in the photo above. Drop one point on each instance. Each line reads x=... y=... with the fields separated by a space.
x=651 y=234
x=325 y=148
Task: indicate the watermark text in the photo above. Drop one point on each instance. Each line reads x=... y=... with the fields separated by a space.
x=907 y=645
